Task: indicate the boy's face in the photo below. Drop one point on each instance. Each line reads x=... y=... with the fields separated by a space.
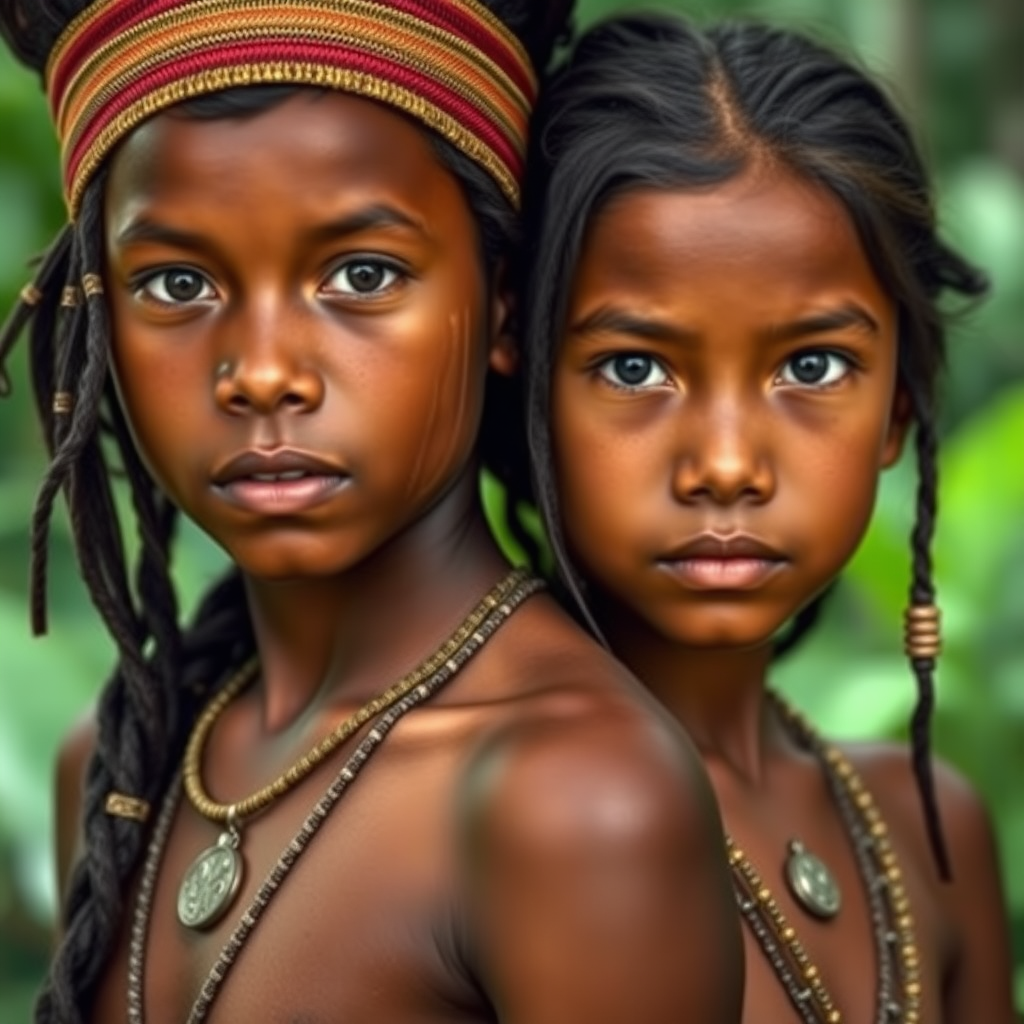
x=301 y=328
x=723 y=402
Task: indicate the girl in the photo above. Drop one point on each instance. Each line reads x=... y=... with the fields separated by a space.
x=273 y=310
x=732 y=322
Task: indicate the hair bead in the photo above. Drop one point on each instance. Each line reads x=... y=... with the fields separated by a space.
x=63 y=403
x=31 y=295
x=118 y=805
x=922 y=631
x=92 y=284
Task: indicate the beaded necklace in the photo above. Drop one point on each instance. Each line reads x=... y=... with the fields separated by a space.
x=212 y=880
x=470 y=637
x=892 y=923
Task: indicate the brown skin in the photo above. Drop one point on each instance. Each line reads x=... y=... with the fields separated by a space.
x=507 y=835
x=729 y=367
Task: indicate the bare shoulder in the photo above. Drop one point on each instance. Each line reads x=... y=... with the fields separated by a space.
x=978 y=982
x=888 y=771
x=587 y=817
x=73 y=757
x=581 y=719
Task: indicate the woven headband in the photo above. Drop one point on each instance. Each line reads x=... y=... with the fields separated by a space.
x=451 y=64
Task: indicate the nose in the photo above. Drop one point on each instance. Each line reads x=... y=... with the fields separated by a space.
x=268 y=371
x=724 y=457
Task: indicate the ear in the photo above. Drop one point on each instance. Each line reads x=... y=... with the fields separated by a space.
x=899 y=424
x=504 y=354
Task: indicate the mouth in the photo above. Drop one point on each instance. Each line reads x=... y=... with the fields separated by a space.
x=280 y=482
x=718 y=562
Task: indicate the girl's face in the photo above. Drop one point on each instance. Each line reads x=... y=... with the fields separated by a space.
x=724 y=398
x=300 y=326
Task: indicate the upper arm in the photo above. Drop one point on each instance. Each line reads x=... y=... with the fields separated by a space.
x=980 y=985
x=72 y=760
x=597 y=883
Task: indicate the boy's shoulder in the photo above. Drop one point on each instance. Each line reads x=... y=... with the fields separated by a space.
x=587 y=756
x=591 y=856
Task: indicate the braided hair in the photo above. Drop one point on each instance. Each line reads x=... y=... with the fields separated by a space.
x=650 y=101
x=163 y=673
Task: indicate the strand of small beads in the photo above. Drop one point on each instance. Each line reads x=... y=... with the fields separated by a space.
x=471 y=637
x=892 y=923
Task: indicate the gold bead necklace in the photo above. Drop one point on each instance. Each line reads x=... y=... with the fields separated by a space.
x=892 y=922
x=213 y=878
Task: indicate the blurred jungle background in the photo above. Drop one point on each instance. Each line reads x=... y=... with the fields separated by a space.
x=956 y=67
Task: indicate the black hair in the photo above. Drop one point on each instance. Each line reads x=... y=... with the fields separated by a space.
x=163 y=673
x=649 y=101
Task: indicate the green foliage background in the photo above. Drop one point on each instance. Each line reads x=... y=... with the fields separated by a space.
x=956 y=69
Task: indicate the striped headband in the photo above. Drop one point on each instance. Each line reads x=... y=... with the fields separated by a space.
x=451 y=64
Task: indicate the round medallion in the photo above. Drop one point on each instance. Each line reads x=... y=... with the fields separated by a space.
x=812 y=883
x=210 y=884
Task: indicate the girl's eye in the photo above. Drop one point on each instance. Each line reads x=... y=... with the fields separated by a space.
x=633 y=371
x=814 y=369
x=363 y=277
x=177 y=287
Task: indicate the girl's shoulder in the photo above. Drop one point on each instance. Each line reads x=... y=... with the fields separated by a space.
x=888 y=771
x=972 y=903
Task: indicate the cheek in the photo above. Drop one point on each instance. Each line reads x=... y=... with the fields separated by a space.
x=444 y=406
x=597 y=476
x=835 y=476
x=160 y=390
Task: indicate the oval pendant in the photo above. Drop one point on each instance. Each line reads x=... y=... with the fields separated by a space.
x=210 y=884
x=811 y=882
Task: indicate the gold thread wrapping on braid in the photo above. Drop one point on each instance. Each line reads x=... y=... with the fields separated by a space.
x=70 y=297
x=474 y=74
x=118 y=805
x=92 y=284
x=63 y=405
x=31 y=295
x=922 y=636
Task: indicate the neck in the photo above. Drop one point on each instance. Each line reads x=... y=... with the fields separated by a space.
x=345 y=638
x=716 y=694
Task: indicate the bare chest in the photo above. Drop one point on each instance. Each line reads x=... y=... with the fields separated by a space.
x=888 y=942
x=357 y=927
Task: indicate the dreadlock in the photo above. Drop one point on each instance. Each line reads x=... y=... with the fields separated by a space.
x=163 y=674
x=649 y=101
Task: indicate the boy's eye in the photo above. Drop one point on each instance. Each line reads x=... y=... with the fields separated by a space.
x=362 y=277
x=177 y=286
x=814 y=369
x=633 y=371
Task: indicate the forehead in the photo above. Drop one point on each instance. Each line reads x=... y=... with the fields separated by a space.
x=766 y=232
x=305 y=154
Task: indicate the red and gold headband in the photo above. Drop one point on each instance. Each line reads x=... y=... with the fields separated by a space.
x=451 y=64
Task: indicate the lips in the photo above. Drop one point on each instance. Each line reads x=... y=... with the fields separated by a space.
x=281 y=482
x=719 y=562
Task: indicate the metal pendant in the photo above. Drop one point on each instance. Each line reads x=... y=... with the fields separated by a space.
x=211 y=883
x=811 y=882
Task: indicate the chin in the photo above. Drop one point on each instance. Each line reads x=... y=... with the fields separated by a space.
x=273 y=561
x=733 y=629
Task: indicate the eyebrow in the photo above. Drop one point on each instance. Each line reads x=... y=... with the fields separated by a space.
x=616 y=321
x=845 y=317
x=377 y=216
